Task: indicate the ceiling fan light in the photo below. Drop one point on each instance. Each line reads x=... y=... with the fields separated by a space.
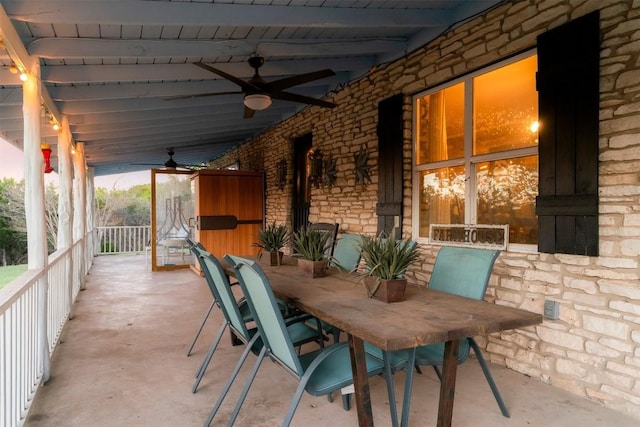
x=257 y=101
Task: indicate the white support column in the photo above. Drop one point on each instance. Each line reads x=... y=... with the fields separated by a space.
x=65 y=204
x=34 y=204
x=91 y=214
x=79 y=209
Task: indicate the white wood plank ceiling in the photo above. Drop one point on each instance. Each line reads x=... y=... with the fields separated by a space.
x=110 y=65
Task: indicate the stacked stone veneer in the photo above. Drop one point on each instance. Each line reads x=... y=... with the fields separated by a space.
x=593 y=350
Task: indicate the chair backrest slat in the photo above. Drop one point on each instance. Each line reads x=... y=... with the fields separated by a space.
x=463 y=271
x=346 y=254
x=268 y=317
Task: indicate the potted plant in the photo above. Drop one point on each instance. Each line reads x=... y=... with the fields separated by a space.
x=271 y=240
x=386 y=261
x=311 y=247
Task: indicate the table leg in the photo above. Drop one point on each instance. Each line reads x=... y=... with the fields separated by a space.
x=360 y=381
x=408 y=386
x=448 y=383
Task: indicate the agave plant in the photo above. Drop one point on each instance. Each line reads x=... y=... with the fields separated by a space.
x=273 y=237
x=310 y=244
x=386 y=257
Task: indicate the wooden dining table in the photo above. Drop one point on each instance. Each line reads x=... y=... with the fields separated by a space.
x=424 y=317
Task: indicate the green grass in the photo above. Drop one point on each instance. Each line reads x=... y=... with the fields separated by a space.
x=10 y=272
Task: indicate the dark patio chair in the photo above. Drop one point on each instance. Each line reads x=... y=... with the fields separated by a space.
x=331 y=229
x=319 y=373
x=460 y=271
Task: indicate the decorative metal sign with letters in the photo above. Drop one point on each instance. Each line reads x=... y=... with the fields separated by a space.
x=473 y=235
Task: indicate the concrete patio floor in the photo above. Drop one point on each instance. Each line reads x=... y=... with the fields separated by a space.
x=122 y=362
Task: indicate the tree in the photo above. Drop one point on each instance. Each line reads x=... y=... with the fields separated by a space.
x=124 y=207
x=13 y=228
x=114 y=207
x=13 y=223
x=51 y=215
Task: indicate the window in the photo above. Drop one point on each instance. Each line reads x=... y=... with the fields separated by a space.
x=476 y=151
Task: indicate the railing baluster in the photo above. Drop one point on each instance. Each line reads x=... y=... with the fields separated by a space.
x=122 y=239
x=21 y=356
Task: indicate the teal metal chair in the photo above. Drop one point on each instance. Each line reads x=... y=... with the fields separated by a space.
x=319 y=373
x=460 y=271
x=346 y=254
x=346 y=257
x=237 y=313
x=195 y=248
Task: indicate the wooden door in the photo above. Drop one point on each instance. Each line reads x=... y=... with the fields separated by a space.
x=302 y=187
x=229 y=208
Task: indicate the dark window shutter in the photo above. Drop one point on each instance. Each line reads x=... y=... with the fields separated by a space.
x=390 y=151
x=568 y=93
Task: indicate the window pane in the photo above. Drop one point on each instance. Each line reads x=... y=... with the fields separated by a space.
x=440 y=129
x=507 y=191
x=441 y=197
x=506 y=108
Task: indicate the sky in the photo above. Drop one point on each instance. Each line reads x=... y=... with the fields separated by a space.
x=12 y=166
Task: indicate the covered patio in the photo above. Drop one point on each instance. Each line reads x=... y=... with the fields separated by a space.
x=113 y=88
x=122 y=361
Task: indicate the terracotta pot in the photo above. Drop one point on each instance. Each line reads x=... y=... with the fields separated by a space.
x=385 y=290
x=313 y=268
x=271 y=258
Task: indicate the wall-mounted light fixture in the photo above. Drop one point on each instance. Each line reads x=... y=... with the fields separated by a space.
x=281 y=174
x=315 y=167
x=46 y=154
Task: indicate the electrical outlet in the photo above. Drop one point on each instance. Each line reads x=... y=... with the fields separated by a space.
x=551 y=309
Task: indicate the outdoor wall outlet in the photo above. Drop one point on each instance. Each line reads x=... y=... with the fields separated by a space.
x=551 y=309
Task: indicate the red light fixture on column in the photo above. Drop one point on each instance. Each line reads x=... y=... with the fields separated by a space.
x=46 y=154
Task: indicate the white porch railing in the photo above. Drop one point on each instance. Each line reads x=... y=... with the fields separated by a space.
x=123 y=239
x=33 y=310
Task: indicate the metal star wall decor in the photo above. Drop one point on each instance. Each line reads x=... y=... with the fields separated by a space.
x=361 y=158
x=330 y=172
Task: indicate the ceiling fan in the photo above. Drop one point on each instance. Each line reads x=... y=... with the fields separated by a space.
x=172 y=164
x=258 y=93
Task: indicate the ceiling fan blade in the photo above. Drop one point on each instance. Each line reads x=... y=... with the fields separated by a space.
x=288 y=96
x=288 y=82
x=248 y=112
x=246 y=86
x=199 y=95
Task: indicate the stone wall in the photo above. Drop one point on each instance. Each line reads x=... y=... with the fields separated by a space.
x=593 y=350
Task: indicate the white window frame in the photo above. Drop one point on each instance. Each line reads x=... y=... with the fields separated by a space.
x=469 y=161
